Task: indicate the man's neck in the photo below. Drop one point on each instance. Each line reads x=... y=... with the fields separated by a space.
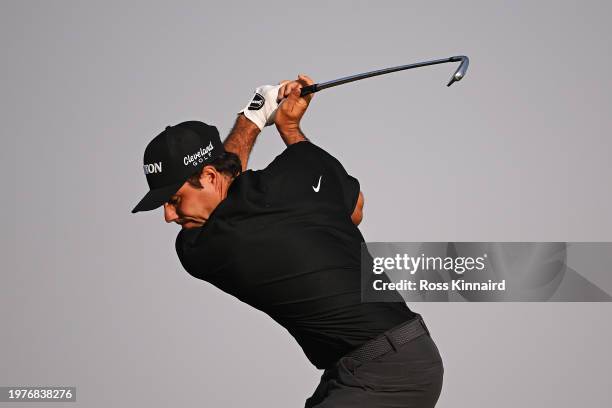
x=227 y=182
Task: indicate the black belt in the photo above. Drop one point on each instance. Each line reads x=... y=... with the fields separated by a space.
x=390 y=340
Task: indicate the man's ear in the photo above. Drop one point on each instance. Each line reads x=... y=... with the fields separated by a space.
x=209 y=176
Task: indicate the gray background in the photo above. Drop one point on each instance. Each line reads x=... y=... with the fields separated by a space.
x=95 y=297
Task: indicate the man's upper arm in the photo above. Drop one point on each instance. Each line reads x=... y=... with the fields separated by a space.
x=305 y=173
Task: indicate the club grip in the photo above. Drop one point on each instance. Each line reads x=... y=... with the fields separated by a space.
x=309 y=89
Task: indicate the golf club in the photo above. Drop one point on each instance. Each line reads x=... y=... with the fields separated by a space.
x=459 y=73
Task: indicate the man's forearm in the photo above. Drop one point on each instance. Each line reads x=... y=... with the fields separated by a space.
x=241 y=139
x=291 y=109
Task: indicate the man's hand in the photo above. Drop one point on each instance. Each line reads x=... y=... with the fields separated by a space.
x=251 y=121
x=357 y=215
x=261 y=108
x=292 y=108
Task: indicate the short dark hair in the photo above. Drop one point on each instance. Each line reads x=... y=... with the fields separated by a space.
x=227 y=163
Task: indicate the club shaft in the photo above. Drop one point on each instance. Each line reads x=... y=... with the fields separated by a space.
x=323 y=85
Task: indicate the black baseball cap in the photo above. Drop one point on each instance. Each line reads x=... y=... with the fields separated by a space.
x=173 y=156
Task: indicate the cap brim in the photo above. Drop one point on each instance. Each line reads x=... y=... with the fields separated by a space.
x=156 y=198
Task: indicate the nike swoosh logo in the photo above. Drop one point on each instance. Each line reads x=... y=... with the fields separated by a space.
x=318 y=187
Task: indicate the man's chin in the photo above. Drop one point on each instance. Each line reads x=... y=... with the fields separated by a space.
x=191 y=225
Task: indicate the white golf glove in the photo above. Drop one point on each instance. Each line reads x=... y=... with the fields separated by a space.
x=261 y=109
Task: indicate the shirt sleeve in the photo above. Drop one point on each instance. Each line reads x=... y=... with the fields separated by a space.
x=306 y=173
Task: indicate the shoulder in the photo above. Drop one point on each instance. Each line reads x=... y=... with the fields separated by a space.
x=297 y=155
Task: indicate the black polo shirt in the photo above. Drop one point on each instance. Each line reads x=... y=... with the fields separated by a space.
x=283 y=242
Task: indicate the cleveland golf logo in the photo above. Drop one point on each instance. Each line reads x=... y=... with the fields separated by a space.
x=153 y=168
x=257 y=102
x=199 y=156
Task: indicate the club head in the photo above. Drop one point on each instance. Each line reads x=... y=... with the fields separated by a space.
x=460 y=73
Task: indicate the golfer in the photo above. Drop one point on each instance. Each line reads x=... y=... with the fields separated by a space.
x=285 y=241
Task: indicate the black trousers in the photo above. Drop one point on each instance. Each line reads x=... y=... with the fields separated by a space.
x=409 y=377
